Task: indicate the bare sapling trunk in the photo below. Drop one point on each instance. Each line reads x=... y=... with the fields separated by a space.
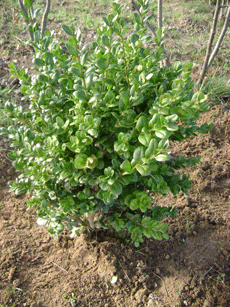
x=210 y=42
x=224 y=8
x=220 y=39
x=160 y=4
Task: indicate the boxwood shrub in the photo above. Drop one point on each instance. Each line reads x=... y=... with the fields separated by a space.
x=95 y=135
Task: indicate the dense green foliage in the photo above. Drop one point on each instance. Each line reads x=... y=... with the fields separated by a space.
x=94 y=139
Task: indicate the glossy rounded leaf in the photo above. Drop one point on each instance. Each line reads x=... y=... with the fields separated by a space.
x=80 y=95
x=141 y=123
x=144 y=170
x=116 y=188
x=126 y=166
x=171 y=127
x=80 y=161
x=172 y=118
x=162 y=134
x=163 y=157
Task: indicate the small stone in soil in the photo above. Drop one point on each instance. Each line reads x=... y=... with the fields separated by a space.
x=140 y=294
x=158 y=271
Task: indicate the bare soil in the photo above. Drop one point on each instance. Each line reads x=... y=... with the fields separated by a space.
x=192 y=268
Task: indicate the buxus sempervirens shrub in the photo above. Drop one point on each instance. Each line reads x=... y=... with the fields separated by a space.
x=94 y=139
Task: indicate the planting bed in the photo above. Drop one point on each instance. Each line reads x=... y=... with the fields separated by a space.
x=192 y=268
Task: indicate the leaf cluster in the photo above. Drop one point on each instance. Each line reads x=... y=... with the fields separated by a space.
x=95 y=138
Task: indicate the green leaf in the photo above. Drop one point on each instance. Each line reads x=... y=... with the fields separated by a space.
x=116 y=188
x=187 y=67
x=12 y=155
x=133 y=38
x=60 y=122
x=75 y=71
x=78 y=35
x=39 y=62
x=36 y=11
x=80 y=95
x=124 y=101
x=162 y=134
x=141 y=123
x=126 y=166
x=105 y=40
x=80 y=161
x=101 y=65
x=73 y=41
x=149 y=76
x=145 y=139
x=27 y=3
x=105 y=21
x=91 y=162
x=84 y=58
x=157 y=235
x=163 y=157
x=138 y=101
x=24 y=15
x=155 y=119
x=152 y=149
x=144 y=170
x=159 y=35
x=72 y=50
x=171 y=118
x=136 y=236
x=171 y=127
x=137 y=155
x=163 y=144
x=43 y=78
x=137 y=18
x=20 y=191
x=12 y=64
x=67 y=30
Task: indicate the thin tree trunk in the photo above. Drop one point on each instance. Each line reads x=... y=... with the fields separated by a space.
x=209 y=47
x=220 y=39
x=224 y=7
x=160 y=13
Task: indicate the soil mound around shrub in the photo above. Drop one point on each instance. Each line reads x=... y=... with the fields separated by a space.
x=192 y=268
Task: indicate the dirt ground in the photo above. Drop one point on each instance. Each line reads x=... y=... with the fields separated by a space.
x=192 y=268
